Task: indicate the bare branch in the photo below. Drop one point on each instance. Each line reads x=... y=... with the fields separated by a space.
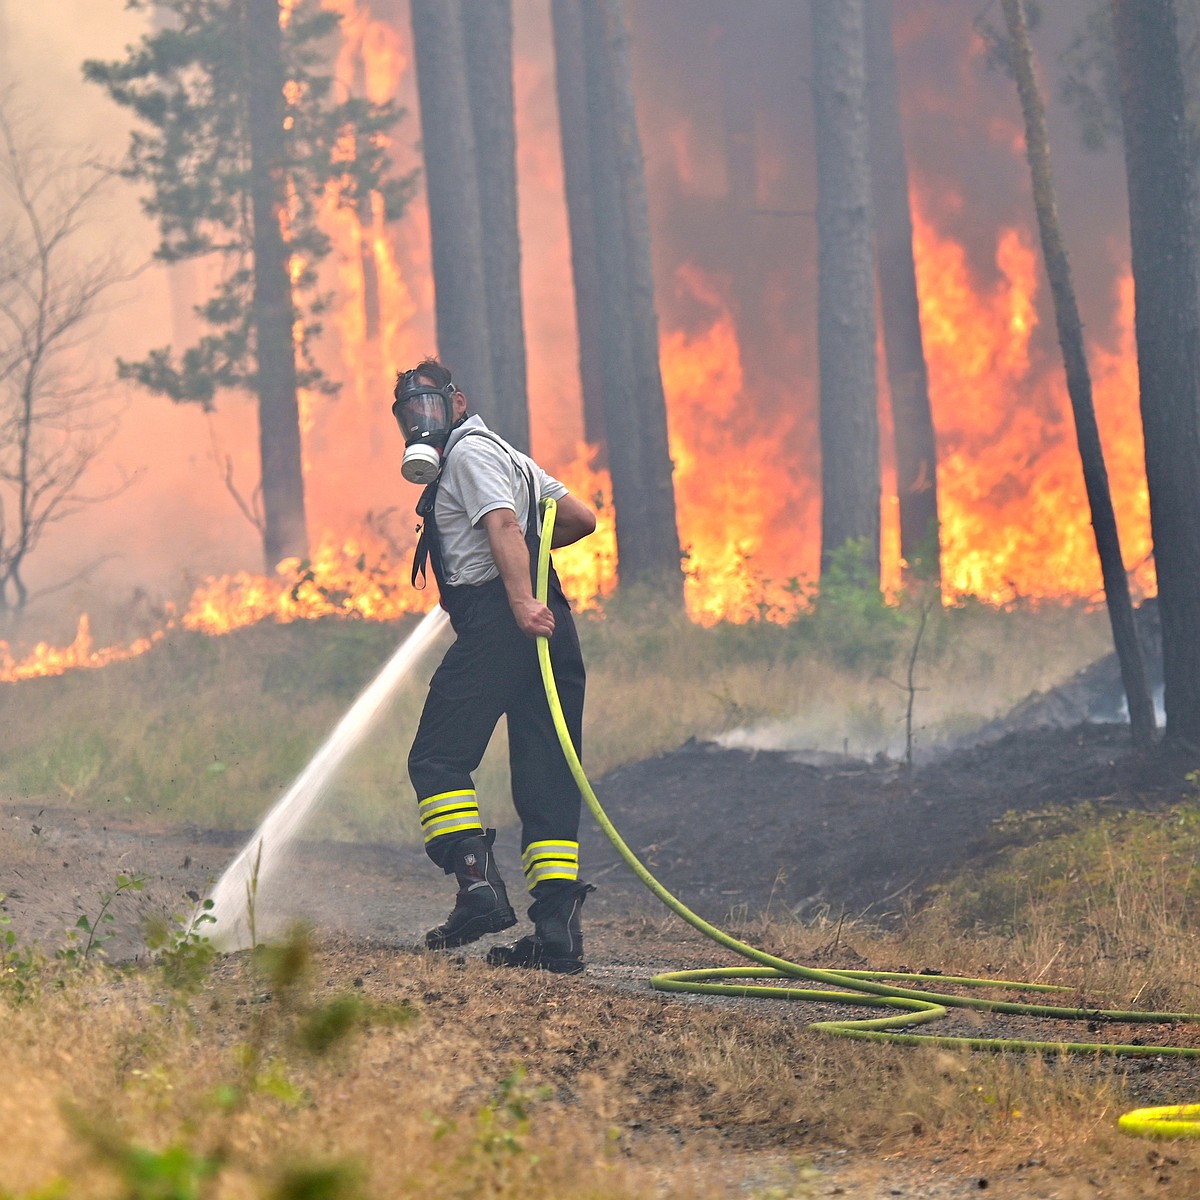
x=250 y=509
x=55 y=420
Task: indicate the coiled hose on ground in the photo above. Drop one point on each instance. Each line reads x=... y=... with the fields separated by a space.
x=874 y=989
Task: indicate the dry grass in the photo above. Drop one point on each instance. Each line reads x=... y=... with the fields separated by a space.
x=653 y=683
x=212 y=730
x=510 y=1085
x=623 y=1092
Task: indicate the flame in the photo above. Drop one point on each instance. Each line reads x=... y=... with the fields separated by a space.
x=1015 y=520
x=1014 y=515
x=588 y=570
x=45 y=659
x=357 y=577
x=730 y=487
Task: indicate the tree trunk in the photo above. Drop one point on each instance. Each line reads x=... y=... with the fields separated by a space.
x=1079 y=382
x=635 y=408
x=845 y=280
x=571 y=86
x=904 y=347
x=488 y=44
x=364 y=212
x=285 y=530
x=455 y=229
x=1161 y=222
x=741 y=99
x=623 y=443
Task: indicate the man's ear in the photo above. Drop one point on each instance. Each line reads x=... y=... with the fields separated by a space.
x=460 y=406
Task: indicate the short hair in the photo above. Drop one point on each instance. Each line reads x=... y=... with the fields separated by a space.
x=428 y=370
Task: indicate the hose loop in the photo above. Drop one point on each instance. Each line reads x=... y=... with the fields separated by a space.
x=915 y=1006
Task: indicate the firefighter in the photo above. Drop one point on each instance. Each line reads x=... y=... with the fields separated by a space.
x=479 y=535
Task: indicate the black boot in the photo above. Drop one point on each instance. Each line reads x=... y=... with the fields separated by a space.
x=557 y=941
x=481 y=905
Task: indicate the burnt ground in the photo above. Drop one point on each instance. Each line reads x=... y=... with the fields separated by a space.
x=732 y=832
x=745 y=831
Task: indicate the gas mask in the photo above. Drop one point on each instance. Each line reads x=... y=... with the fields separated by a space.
x=425 y=415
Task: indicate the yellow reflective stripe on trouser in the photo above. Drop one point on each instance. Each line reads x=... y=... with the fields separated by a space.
x=449 y=812
x=550 y=860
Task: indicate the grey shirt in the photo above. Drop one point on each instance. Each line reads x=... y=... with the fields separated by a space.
x=478 y=478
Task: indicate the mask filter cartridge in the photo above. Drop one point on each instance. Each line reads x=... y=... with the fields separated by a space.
x=421 y=464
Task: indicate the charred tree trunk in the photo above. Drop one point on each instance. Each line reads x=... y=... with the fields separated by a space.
x=455 y=229
x=900 y=308
x=1162 y=229
x=845 y=279
x=285 y=530
x=1079 y=382
x=635 y=408
x=622 y=443
x=366 y=247
x=488 y=44
x=571 y=85
x=740 y=100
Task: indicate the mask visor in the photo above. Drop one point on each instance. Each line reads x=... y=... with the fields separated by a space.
x=424 y=416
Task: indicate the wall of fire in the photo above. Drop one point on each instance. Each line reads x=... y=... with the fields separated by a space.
x=735 y=267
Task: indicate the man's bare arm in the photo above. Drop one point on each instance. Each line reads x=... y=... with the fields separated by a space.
x=573 y=521
x=511 y=555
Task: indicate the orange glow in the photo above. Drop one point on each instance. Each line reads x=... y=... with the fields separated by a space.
x=588 y=570
x=1015 y=522
x=730 y=486
x=1014 y=513
x=55 y=660
x=353 y=578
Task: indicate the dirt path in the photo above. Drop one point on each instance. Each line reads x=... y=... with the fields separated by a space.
x=729 y=831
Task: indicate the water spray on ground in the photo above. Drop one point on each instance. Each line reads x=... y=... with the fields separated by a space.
x=233 y=896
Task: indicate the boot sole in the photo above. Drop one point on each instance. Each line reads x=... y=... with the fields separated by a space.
x=557 y=966
x=493 y=922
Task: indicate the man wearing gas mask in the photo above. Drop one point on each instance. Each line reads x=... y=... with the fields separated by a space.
x=480 y=532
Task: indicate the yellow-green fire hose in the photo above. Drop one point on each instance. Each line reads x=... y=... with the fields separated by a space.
x=875 y=989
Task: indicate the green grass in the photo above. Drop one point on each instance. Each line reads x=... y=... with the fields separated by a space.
x=1081 y=862
x=210 y=731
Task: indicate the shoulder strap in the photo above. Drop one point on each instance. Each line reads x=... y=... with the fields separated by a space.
x=428 y=548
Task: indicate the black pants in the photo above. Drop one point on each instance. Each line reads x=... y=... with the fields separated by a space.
x=492 y=669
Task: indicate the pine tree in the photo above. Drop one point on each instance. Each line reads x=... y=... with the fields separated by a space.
x=571 y=88
x=850 y=489
x=1079 y=381
x=635 y=409
x=899 y=306
x=488 y=48
x=1167 y=319
x=239 y=137
x=452 y=188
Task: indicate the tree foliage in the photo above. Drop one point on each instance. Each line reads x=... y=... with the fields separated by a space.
x=1090 y=86
x=187 y=86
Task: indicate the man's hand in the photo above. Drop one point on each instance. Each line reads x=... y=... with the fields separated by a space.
x=533 y=618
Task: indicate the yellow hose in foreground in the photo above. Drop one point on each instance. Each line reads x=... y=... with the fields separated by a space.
x=871 y=988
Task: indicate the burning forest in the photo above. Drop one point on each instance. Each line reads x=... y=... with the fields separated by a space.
x=851 y=395
x=725 y=115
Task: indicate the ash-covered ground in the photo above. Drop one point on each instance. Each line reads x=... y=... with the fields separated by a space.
x=729 y=831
